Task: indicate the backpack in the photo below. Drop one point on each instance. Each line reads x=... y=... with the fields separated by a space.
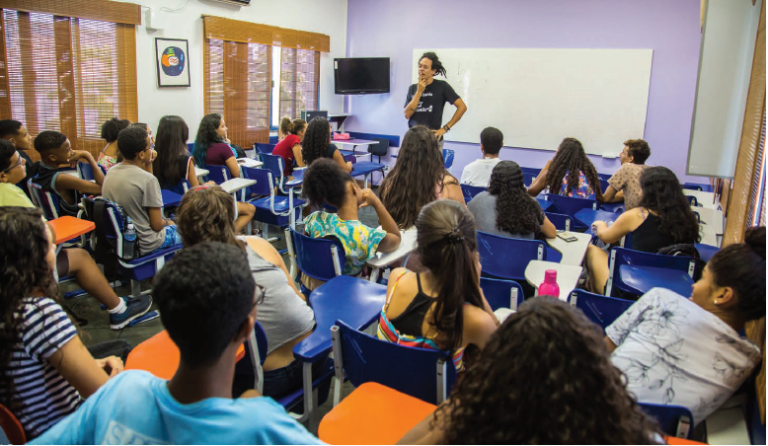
x=686 y=250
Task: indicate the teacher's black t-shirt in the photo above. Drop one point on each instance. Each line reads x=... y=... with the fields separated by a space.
x=429 y=111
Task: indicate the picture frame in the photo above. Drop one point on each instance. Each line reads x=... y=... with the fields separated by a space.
x=172 y=59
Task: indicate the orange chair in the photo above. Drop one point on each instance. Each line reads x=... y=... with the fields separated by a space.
x=680 y=441
x=11 y=427
x=373 y=414
x=160 y=356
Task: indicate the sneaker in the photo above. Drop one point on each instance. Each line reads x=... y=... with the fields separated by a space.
x=137 y=307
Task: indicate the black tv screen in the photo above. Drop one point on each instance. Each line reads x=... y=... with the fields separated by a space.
x=361 y=75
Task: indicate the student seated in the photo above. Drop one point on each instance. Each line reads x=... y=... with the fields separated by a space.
x=55 y=150
x=16 y=133
x=569 y=173
x=566 y=391
x=624 y=185
x=208 y=303
x=74 y=261
x=46 y=369
x=688 y=352
x=289 y=148
x=444 y=307
x=130 y=185
x=419 y=177
x=317 y=145
x=478 y=172
x=507 y=210
x=663 y=218
x=173 y=162
x=206 y=214
x=326 y=183
x=109 y=155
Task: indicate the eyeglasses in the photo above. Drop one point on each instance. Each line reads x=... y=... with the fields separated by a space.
x=19 y=163
x=260 y=294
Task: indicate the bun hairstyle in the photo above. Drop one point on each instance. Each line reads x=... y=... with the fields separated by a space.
x=436 y=64
x=325 y=182
x=288 y=127
x=111 y=128
x=741 y=266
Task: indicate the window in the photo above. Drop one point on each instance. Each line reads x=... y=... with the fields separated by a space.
x=255 y=74
x=68 y=73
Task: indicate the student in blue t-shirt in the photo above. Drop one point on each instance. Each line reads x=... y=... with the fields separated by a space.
x=207 y=300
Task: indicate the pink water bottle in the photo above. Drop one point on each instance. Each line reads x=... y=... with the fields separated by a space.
x=549 y=287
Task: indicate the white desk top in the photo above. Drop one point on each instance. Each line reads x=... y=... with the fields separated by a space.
x=407 y=245
x=712 y=217
x=573 y=252
x=236 y=184
x=247 y=162
x=705 y=199
x=567 y=275
x=353 y=142
x=503 y=313
x=200 y=172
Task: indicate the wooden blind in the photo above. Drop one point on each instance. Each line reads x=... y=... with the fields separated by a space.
x=246 y=32
x=102 y=10
x=299 y=80
x=67 y=74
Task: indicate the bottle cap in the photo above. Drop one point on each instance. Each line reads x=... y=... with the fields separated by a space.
x=550 y=276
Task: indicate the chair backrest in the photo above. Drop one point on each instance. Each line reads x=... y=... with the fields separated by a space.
x=180 y=188
x=603 y=185
x=218 y=174
x=45 y=200
x=380 y=149
x=190 y=147
x=112 y=222
x=448 y=155
x=602 y=310
x=263 y=147
x=692 y=201
x=256 y=347
x=692 y=186
x=571 y=205
x=676 y=421
x=264 y=181
x=276 y=165
x=502 y=293
x=507 y=258
x=624 y=256
x=528 y=178
x=425 y=374
x=11 y=426
x=561 y=221
x=319 y=258
x=471 y=192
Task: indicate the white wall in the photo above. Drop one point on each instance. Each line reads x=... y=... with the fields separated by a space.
x=325 y=17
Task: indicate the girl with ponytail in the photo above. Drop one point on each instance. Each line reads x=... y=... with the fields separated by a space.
x=444 y=307
x=289 y=147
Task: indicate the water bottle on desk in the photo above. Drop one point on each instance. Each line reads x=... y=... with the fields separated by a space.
x=549 y=287
x=129 y=240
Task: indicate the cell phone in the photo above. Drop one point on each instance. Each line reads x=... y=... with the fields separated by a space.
x=566 y=236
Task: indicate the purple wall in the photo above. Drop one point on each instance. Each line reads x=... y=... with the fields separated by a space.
x=670 y=28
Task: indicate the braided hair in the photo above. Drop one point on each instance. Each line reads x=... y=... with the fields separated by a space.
x=516 y=211
x=436 y=64
x=571 y=158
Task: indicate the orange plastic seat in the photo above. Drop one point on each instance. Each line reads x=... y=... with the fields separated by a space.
x=680 y=441
x=160 y=356
x=373 y=414
x=11 y=427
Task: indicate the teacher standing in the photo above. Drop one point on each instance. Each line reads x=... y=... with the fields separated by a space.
x=426 y=100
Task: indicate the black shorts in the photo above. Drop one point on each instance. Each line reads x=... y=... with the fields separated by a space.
x=62 y=263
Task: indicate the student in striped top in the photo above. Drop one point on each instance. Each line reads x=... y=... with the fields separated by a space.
x=46 y=368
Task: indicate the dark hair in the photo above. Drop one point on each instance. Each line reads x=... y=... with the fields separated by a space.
x=638 y=149
x=170 y=144
x=292 y=127
x=143 y=125
x=571 y=158
x=663 y=194
x=436 y=64
x=206 y=136
x=447 y=246
x=547 y=378
x=49 y=140
x=24 y=271
x=207 y=214
x=325 y=182
x=9 y=128
x=316 y=140
x=741 y=266
x=7 y=149
x=112 y=127
x=131 y=141
x=491 y=138
x=204 y=295
x=516 y=211
x=411 y=183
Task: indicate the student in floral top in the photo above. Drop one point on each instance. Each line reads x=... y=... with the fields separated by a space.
x=624 y=185
x=569 y=173
x=326 y=183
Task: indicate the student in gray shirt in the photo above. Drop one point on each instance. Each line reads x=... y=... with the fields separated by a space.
x=507 y=210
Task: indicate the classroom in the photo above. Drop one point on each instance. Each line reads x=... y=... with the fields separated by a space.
x=392 y=222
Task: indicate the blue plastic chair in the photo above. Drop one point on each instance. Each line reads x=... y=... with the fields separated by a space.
x=562 y=222
x=571 y=205
x=602 y=310
x=44 y=200
x=85 y=172
x=471 y=192
x=528 y=178
x=636 y=272
x=706 y=251
x=426 y=374
x=700 y=187
x=676 y=421
x=276 y=165
x=218 y=174
x=255 y=347
x=270 y=208
x=506 y=258
x=603 y=185
x=319 y=258
x=448 y=155
x=262 y=148
x=502 y=293
x=180 y=188
x=692 y=201
x=190 y=147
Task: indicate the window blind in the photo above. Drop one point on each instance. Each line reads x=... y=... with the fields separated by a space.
x=299 y=80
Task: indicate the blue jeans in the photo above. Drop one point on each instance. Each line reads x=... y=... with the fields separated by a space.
x=283 y=381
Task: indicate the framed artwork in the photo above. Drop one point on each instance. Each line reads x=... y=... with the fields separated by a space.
x=172 y=62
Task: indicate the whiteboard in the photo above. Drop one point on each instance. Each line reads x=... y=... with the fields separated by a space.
x=538 y=96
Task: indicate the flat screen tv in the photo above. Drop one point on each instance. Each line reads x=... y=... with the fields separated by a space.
x=361 y=75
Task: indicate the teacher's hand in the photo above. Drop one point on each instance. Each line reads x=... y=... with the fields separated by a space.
x=421 y=85
x=439 y=133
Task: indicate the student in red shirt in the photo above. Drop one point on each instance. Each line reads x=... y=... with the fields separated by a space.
x=289 y=148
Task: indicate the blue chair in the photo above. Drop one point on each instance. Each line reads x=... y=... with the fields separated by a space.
x=706 y=251
x=603 y=185
x=692 y=201
x=561 y=221
x=471 y=192
x=571 y=205
x=426 y=374
x=448 y=155
x=85 y=171
x=256 y=347
x=180 y=188
x=528 y=178
x=676 y=421
x=218 y=174
x=271 y=209
x=262 y=148
x=602 y=310
x=506 y=258
x=700 y=187
x=319 y=258
x=44 y=200
x=190 y=147
x=636 y=272
x=276 y=165
x=502 y=293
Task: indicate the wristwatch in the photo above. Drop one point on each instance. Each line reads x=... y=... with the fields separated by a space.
x=446 y=128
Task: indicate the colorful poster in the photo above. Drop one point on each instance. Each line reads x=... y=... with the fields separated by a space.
x=172 y=62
